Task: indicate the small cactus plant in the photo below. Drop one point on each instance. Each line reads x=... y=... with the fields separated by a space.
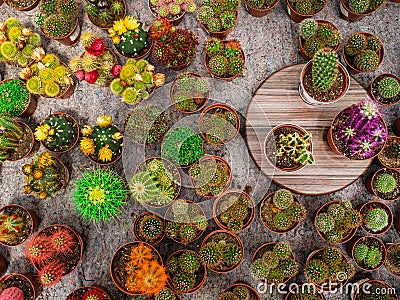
x=307 y=7
x=376 y=219
x=384 y=183
x=324 y=69
x=393 y=259
x=151 y=227
x=16 y=90
x=217 y=17
x=368 y=253
x=11 y=228
x=11 y=133
x=103 y=14
x=388 y=87
x=366 y=61
x=172 y=10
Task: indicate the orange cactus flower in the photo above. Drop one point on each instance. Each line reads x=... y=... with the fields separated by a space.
x=151 y=278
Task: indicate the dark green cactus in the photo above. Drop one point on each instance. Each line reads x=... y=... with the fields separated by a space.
x=183 y=282
x=189 y=262
x=358 y=6
x=56 y=26
x=132 y=42
x=312 y=46
x=259 y=270
x=151 y=227
x=236 y=66
x=324 y=69
x=388 y=87
x=355 y=44
x=65 y=132
x=218 y=65
x=366 y=61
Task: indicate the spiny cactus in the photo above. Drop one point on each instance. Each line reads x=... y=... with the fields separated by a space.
x=56 y=26
x=308 y=28
x=316 y=271
x=376 y=219
x=374 y=257
x=358 y=6
x=189 y=262
x=296 y=146
x=51 y=273
x=296 y=212
x=332 y=256
x=289 y=268
x=388 y=87
x=384 y=183
x=355 y=44
x=271 y=259
x=183 y=282
x=39 y=249
x=282 y=250
x=211 y=254
x=242 y=292
x=218 y=65
x=151 y=227
x=259 y=269
x=366 y=60
x=11 y=228
x=282 y=198
x=360 y=251
x=165 y=294
x=303 y=7
x=324 y=222
x=63 y=241
x=324 y=69
x=12 y=293
x=232 y=254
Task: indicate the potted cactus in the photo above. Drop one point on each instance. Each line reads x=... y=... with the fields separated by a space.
x=103 y=143
x=48 y=76
x=45 y=176
x=15 y=99
x=17 y=224
x=222 y=251
x=304 y=292
x=186 y=271
x=326 y=268
x=135 y=81
x=147 y=124
x=217 y=19
x=392 y=262
x=355 y=10
x=99 y=195
x=368 y=252
x=219 y=124
x=17 y=43
x=274 y=262
x=149 y=227
x=96 y=62
x=25 y=5
x=16 y=140
x=174 y=11
x=385 y=89
x=189 y=92
x=337 y=221
x=58 y=132
x=239 y=291
x=318 y=34
x=156 y=182
x=389 y=157
x=20 y=286
x=288 y=147
x=385 y=184
x=362 y=52
x=373 y=289
x=103 y=13
x=133 y=264
x=281 y=211
x=377 y=217
x=168 y=49
x=224 y=60
x=58 y=20
x=358 y=132
x=186 y=221
x=324 y=79
x=233 y=211
x=89 y=292
x=165 y=293
x=182 y=146
x=259 y=8
x=55 y=252
x=211 y=176
x=303 y=9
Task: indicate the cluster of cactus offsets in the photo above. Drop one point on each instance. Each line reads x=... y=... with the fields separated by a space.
x=280 y=212
x=376 y=219
x=186 y=222
x=103 y=142
x=307 y=7
x=368 y=253
x=11 y=228
x=364 y=6
x=183 y=268
x=10 y=135
x=318 y=36
x=261 y=4
x=57 y=18
x=135 y=81
x=171 y=9
x=17 y=43
x=329 y=265
x=296 y=147
x=13 y=89
x=325 y=69
x=144 y=274
x=225 y=58
x=388 y=87
x=337 y=221
x=274 y=263
x=234 y=210
x=359 y=131
x=58 y=132
x=44 y=176
x=99 y=195
x=48 y=251
x=173 y=47
x=165 y=294
x=95 y=65
x=104 y=12
x=210 y=176
x=218 y=16
x=219 y=125
x=364 y=51
x=151 y=228
x=393 y=259
x=190 y=92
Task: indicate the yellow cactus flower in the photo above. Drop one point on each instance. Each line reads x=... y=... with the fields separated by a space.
x=27 y=169
x=43 y=195
x=119 y=27
x=87 y=146
x=116 y=40
x=87 y=130
x=105 y=154
x=111 y=32
x=27 y=189
x=45 y=159
x=38 y=174
x=104 y=121
x=117 y=136
x=42 y=132
x=131 y=23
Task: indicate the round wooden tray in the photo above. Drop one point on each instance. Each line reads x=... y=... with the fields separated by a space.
x=278 y=100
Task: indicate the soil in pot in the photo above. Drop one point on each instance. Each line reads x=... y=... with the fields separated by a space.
x=386 y=184
x=390 y=154
x=374 y=291
x=25 y=144
x=25 y=225
x=392 y=262
x=21 y=282
x=79 y=293
x=149 y=227
x=98 y=21
x=20 y=4
x=369 y=253
x=377 y=217
x=375 y=89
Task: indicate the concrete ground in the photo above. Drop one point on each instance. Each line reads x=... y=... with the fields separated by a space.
x=269 y=43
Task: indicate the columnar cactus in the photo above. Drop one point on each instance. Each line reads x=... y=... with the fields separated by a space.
x=324 y=69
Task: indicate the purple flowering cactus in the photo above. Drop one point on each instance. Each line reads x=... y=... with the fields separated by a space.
x=360 y=130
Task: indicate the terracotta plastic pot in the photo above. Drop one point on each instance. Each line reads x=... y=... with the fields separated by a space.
x=295 y=128
x=80 y=292
x=258 y=13
x=32 y=104
x=34 y=144
x=28 y=8
x=303 y=52
x=249 y=218
x=351 y=67
x=3 y=265
x=349 y=15
x=30 y=278
x=32 y=216
x=296 y=17
x=370 y=186
x=304 y=287
x=136 y=229
x=307 y=98
x=370 y=282
x=396 y=127
x=388 y=248
x=373 y=83
x=174 y=21
x=322 y=209
x=376 y=204
x=106 y=28
x=71 y=38
x=381 y=154
x=350 y=250
x=221 y=34
x=252 y=291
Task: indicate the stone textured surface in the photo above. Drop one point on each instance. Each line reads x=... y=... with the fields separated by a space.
x=270 y=43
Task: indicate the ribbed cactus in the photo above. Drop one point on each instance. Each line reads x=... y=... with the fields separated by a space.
x=12 y=293
x=366 y=60
x=296 y=146
x=151 y=227
x=11 y=228
x=51 y=273
x=218 y=65
x=39 y=249
x=324 y=69
x=324 y=222
x=308 y=28
x=384 y=183
x=358 y=6
x=355 y=44
x=56 y=26
x=165 y=294
x=388 y=87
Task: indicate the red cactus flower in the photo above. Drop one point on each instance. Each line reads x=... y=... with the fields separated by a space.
x=39 y=249
x=97 y=47
x=51 y=273
x=116 y=70
x=91 y=76
x=93 y=295
x=80 y=75
x=63 y=241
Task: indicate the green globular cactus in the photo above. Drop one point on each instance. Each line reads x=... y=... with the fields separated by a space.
x=358 y=6
x=316 y=271
x=360 y=251
x=56 y=26
x=282 y=250
x=271 y=259
x=336 y=210
x=312 y=46
x=282 y=198
x=132 y=42
x=296 y=212
x=366 y=60
x=336 y=39
x=218 y=65
x=259 y=270
x=117 y=8
x=236 y=66
x=376 y=219
x=214 y=47
x=355 y=44
x=143 y=187
x=232 y=254
x=183 y=282
x=375 y=4
x=151 y=227
x=187 y=232
x=172 y=265
x=326 y=32
x=275 y=276
x=92 y=10
x=242 y=292
x=214 y=25
x=65 y=132
x=48 y=6
x=384 y=183
x=374 y=257
x=303 y=7
x=388 y=87
x=165 y=294
x=289 y=268
x=281 y=221
x=67 y=8
x=189 y=262
x=211 y=254
x=332 y=256
x=308 y=28
x=228 y=19
x=324 y=69
x=374 y=43
x=334 y=237
x=324 y=222
x=205 y=14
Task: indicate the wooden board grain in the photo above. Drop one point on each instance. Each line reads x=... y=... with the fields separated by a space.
x=276 y=102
